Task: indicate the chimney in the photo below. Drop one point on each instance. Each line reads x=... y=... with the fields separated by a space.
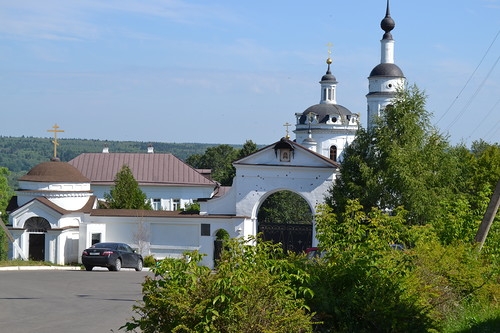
x=105 y=149
x=150 y=149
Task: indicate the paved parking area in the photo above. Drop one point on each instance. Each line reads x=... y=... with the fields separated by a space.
x=62 y=301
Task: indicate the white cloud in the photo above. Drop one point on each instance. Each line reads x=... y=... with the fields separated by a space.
x=84 y=20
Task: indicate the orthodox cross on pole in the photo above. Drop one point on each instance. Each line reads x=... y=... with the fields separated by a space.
x=287 y=125
x=55 y=130
x=329 y=45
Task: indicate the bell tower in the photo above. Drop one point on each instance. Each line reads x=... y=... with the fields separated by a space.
x=386 y=77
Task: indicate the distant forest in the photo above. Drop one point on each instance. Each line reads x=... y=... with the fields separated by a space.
x=20 y=154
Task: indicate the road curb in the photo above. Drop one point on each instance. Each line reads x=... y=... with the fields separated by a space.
x=58 y=268
x=38 y=268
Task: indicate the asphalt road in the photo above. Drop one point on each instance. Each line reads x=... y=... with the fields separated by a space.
x=50 y=301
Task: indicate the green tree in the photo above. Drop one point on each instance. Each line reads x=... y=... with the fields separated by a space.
x=254 y=289
x=126 y=193
x=364 y=285
x=220 y=160
x=402 y=161
x=6 y=194
x=249 y=147
x=285 y=207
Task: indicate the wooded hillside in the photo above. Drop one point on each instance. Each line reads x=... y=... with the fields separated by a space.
x=20 y=154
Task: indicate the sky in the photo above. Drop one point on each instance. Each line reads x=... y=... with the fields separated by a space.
x=228 y=71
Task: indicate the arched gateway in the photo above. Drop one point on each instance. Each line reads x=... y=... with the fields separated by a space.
x=285 y=217
x=283 y=167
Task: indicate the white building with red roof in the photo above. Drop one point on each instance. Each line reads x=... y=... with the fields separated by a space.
x=168 y=182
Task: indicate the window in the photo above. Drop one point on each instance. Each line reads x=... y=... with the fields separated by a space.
x=96 y=238
x=205 y=229
x=156 y=204
x=333 y=153
x=328 y=94
x=176 y=204
x=127 y=248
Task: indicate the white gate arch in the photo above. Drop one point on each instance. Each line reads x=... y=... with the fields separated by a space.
x=303 y=171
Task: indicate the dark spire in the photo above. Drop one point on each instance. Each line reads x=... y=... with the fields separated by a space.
x=387 y=24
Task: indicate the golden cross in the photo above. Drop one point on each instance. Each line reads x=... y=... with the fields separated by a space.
x=330 y=45
x=55 y=130
x=287 y=125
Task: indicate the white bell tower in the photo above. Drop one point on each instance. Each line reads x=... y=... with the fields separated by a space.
x=386 y=77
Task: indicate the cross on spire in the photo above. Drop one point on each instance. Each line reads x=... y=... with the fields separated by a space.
x=329 y=45
x=55 y=129
x=287 y=125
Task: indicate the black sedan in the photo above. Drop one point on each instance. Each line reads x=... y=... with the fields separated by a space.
x=114 y=256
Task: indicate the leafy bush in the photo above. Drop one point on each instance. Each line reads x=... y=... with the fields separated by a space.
x=254 y=289
x=192 y=208
x=365 y=286
x=453 y=277
x=149 y=261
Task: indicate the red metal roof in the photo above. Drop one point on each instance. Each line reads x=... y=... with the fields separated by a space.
x=147 y=168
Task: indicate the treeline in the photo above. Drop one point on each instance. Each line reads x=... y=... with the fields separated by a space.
x=20 y=154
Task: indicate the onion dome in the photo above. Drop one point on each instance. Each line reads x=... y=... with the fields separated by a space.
x=386 y=69
x=55 y=171
x=387 y=23
x=325 y=113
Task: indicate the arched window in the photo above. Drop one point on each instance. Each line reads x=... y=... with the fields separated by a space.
x=37 y=224
x=333 y=153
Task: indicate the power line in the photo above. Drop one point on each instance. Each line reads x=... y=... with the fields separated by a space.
x=466 y=84
x=495 y=126
x=469 y=102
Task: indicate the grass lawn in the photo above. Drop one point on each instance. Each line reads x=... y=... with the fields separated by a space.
x=474 y=319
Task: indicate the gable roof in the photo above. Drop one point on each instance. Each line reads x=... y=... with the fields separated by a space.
x=289 y=144
x=87 y=208
x=147 y=168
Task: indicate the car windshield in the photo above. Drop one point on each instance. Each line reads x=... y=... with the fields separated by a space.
x=112 y=246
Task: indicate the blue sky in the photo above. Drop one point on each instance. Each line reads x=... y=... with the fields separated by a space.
x=231 y=71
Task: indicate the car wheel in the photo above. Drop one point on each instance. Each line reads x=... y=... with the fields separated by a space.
x=118 y=265
x=88 y=268
x=139 y=266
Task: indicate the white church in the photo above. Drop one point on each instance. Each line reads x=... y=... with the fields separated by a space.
x=55 y=216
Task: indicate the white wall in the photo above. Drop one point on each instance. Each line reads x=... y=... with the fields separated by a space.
x=167 y=236
x=186 y=194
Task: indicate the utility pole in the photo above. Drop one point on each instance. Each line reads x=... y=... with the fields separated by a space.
x=488 y=218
